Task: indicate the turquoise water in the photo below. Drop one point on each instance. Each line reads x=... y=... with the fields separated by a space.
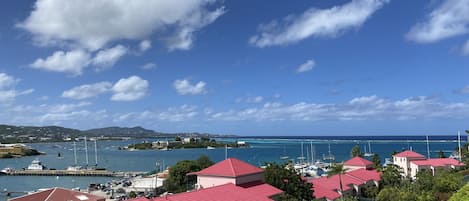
x=260 y=151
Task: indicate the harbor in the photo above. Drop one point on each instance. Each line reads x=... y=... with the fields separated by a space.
x=81 y=173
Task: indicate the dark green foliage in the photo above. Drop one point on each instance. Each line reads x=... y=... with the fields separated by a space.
x=462 y=194
x=141 y=146
x=178 y=180
x=391 y=176
x=288 y=181
x=132 y=194
x=376 y=161
x=370 y=191
x=356 y=151
x=177 y=138
x=441 y=154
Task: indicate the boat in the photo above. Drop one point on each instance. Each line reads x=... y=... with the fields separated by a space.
x=284 y=157
x=369 y=153
x=329 y=157
x=36 y=165
x=5 y=171
x=209 y=147
x=59 y=155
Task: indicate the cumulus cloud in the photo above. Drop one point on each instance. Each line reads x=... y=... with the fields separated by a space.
x=94 y=24
x=253 y=99
x=305 y=67
x=360 y=108
x=7 y=89
x=108 y=57
x=184 y=87
x=316 y=23
x=148 y=66
x=87 y=90
x=464 y=90
x=72 y=62
x=129 y=89
x=172 y=114
x=450 y=18
x=465 y=49
x=145 y=45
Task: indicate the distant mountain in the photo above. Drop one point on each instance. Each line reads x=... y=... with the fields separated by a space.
x=122 y=131
x=49 y=131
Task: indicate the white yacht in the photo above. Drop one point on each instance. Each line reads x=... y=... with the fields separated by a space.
x=36 y=165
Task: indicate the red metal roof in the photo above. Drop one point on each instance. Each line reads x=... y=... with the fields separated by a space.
x=438 y=162
x=260 y=188
x=230 y=167
x=59 y=194
x=226 y=192
x=358 y=161
x=409 y=154
x=328 y=186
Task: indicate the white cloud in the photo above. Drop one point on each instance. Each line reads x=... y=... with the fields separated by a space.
x=464 y=90
x=172 y=114
x=108 y=57
x=94 y=24
x=253 y=99
x=184 y=87
x=87 y=90
x=129 y=89
x=316 y=22
x=148 y=66
x=145 y=45
x=72 y=62
x=450 y=18
x=305 y=67
x=360 y=108
x=8 y=93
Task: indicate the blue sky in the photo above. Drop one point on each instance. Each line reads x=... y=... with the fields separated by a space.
x=312 y=67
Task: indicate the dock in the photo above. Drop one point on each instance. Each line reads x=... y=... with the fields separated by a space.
x=83 y=173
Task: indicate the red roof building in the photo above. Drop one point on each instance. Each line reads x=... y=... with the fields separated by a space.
x=328 y=188
x=228 y=180
x=411 y=163
x=230 y=170
x=358 y=163
x=58 y=194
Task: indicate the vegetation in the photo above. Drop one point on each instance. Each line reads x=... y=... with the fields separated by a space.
x=289 y=181
x=441 y=154
x=356 y=151
x=462 y=194
x=178 y=180
x=194 y=143
x=376 y=161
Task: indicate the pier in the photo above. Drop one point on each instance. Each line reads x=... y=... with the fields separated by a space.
x=84 y=173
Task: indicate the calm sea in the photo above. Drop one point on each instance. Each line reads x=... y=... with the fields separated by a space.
x=262 y=149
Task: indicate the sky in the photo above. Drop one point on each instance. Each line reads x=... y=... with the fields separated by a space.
x=266 y=67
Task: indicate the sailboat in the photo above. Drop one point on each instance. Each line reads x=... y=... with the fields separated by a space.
x=59 y=155
x=75 y=167
x=329 y=157
x=457 y=154
x=284 y=157
x=369 y=153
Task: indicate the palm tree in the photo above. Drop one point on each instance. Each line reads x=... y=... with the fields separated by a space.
x=338 y=169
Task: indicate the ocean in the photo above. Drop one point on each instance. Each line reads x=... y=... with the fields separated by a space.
x=262 y=149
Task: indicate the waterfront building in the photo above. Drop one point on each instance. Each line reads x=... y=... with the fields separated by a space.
x=58 y=194
x=411 y=163
x=228 y=180
x=359 y=176
x=358 y=163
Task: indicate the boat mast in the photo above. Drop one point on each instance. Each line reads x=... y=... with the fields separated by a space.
x=312 y=153
x=75 y=151
x=302 y=152
x=428 y=148
x=96 y=151
x=369 y=147
x=226 y=151
x=86 y=151
x=459 y=145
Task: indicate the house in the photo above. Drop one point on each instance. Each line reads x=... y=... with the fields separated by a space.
x=228 y=180
x=58 y=194
x=360 y=174
x=231 y=170
x=411 y=163
x=358 y=163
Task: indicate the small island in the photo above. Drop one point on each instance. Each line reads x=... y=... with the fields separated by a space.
x=183 y=143
x=16 y=150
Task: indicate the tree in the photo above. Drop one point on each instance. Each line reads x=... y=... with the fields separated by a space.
x=391 y=176
x=376 y=161
x=338 y=169
x=178 y=180
x=424 y=180
x=132 y=194
x=462 y=194
x=177 y=138
x=441 y=154
x=370 y=191
x=356 y=151
x=289 y=181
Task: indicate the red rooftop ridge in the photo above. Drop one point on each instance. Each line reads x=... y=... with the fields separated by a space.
x=230 y=167
x=438 y=162
x=409 y=154
x=358 y=161
x=59 y=194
